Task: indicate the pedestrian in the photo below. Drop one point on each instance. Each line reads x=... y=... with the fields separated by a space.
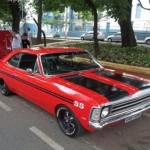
x=16 y=41
x=25 y=41
x=29 y=33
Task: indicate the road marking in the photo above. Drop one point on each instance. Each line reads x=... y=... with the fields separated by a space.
x=46 y=139
x=147 y=115
x=5 y=107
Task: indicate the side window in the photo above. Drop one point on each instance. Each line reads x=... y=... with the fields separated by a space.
x=27 y=61
x=14 y=61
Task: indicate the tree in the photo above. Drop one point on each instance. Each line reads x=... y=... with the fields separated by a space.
x=121 y=11
x=94 y=8
x=12 y=8
x=146 y=8
x=38 y=5
x=5 y=14
x=127 y=33
x=15 y=11
x=56 y=21
x=82 y=5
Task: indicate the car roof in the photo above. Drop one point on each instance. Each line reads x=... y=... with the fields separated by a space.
x=50 y=50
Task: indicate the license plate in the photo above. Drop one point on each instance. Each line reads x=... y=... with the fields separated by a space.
x=128 y=119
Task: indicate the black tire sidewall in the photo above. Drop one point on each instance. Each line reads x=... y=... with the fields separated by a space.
x=5 y=90
x=78 y=128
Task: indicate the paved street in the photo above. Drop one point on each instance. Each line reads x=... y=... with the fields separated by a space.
x=23 y=126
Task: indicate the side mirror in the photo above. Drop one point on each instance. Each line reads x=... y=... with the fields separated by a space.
x=29 y=70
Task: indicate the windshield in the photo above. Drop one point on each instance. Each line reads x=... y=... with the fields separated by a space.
x=66 y=62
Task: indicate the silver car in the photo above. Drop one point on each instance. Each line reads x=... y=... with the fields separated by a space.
x=147 y=40
x=89 y=36
x=115 y=37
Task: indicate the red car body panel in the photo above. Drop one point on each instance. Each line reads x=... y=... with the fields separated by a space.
x=49 y=92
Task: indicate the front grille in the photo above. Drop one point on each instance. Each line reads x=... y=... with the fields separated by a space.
x=130 y=104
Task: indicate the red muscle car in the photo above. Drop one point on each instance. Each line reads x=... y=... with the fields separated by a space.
x=71 y=84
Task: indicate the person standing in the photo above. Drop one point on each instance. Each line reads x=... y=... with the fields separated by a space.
x=16 y=41
x=25 y=41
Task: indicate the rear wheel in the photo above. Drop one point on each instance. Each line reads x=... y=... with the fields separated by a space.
x=68 y=123
x=5 y=90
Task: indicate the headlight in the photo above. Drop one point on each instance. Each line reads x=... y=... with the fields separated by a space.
x=95 y=116
x=105 y=111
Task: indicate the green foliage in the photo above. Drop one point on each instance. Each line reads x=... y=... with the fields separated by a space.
x=57 y=20
x=118 y=10
x=137 y=56
x=5 y=14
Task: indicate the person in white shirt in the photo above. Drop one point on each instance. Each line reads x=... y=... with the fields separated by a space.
x=16 y=41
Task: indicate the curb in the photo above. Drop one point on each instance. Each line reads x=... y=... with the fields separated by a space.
x=127 y=68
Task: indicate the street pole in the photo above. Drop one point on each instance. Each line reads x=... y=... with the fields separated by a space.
x=66 y=16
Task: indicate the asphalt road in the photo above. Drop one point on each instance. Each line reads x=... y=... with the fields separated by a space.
x=24 y=126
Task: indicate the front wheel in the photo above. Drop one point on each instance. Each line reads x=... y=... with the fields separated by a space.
x=82 y=38
x=68 y=123
x=5 y=90
x=109 y=40
x=148 y=42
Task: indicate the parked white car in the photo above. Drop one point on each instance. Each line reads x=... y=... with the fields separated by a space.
x=147 y=40
x=89 y=36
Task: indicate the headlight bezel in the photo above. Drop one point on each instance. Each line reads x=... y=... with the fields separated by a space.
x=96 y=113
x=108 y=108
x=92 y=116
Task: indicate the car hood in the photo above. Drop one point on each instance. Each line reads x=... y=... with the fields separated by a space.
x=105 y=85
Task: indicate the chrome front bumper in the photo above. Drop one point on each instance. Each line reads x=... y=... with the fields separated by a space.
x=119 y=116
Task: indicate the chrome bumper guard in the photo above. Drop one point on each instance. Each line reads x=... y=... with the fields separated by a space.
x=118 y=117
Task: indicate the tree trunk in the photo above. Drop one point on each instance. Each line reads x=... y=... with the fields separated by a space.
x=15 y=11
x=94 y=11
x=40 y=10
x=44 y=36
x=96 y=45
x=127 y=33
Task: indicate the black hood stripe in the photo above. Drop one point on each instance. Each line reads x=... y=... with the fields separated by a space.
x=122 y=78
x=110 y=92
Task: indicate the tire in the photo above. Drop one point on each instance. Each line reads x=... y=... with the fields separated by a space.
x=109 y=40
x=5 y=90
x=67 y=122
x=82 y=38
x=148 y=42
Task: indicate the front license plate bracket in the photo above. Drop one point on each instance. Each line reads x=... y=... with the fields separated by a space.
x=133 y=117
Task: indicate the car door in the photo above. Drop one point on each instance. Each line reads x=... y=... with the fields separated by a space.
x=29 y=82
x=22 y=81
x=89 y=36
x=117 y=37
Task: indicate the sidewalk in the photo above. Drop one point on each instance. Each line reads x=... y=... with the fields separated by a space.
x=145 y=72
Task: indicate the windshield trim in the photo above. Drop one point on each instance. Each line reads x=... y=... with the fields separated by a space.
x=74 y=71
